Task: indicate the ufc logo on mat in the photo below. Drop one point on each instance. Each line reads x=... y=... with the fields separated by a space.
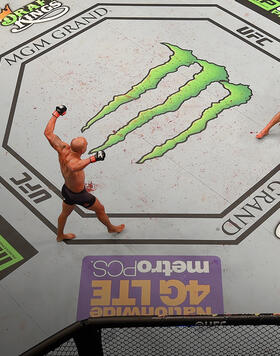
x=41 y=194
x=210 y=73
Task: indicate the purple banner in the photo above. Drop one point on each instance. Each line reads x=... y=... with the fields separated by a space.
x=150 y=285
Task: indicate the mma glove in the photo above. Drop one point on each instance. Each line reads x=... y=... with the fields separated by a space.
x=98 y=156
x=60 y=110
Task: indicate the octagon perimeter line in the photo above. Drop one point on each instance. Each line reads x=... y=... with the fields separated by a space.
x=56 y=191
x=138 y=215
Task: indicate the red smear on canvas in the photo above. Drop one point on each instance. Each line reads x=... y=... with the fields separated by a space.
x=90 y=187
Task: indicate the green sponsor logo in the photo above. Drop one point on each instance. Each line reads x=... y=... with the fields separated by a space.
x=268 y=8
x=38 y=11
x=210 y=73
x=8 y=255
x=266 y=4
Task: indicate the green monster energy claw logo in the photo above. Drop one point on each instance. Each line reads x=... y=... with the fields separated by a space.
x=238 y=94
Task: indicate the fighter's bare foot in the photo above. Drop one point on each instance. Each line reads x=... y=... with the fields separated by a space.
x=262 y=134
x=65 y=237
x=118 y=228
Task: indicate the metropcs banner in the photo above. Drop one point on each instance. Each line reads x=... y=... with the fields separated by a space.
x=150 y=285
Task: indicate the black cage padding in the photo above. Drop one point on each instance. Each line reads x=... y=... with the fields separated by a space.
x=238 y=334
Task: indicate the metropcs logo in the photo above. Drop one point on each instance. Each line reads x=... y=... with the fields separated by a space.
x=36 y=12
x=116 y=268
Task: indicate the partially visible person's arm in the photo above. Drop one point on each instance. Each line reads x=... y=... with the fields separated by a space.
x=277 y=116
x=79 y=164
x=272 y=122
x=53 y=139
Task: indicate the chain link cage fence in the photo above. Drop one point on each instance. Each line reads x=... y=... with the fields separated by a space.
x=220 y=335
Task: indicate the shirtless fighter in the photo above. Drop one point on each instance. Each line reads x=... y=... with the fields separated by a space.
x=265 y=131
x=72 y=169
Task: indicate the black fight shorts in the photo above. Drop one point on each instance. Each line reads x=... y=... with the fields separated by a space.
x=83 y=198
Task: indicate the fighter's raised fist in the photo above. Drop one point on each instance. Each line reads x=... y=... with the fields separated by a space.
x=98 y=156
x=60 y=110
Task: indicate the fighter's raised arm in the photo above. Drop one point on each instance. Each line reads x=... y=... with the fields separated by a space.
x=53 y=139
